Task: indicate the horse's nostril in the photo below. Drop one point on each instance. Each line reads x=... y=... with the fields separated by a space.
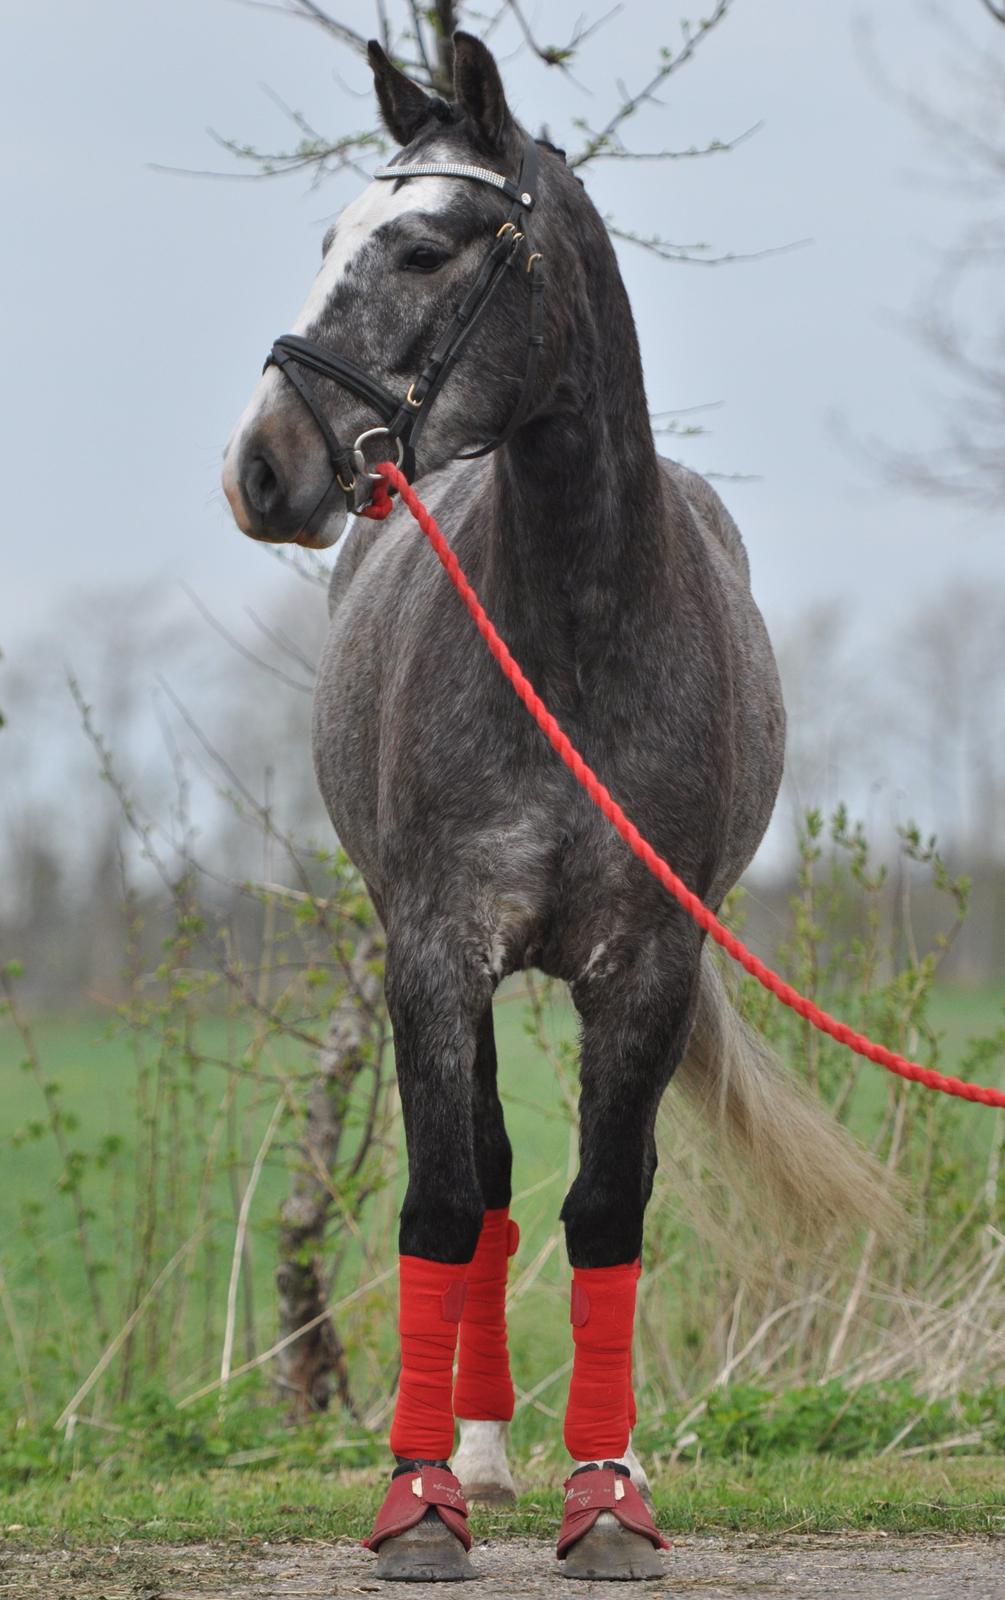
x=261 y=485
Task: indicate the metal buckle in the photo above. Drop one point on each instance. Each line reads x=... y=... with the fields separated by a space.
x=347 y=488
x=359 y=459
x=410 y=399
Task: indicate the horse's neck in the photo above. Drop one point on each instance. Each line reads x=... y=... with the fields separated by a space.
x=579 y=509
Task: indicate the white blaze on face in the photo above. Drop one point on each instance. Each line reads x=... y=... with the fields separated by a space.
x=380 y=202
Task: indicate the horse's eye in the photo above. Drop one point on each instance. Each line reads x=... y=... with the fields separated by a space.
x=424 y=258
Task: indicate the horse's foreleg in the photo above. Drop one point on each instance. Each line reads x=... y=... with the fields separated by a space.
x=421 y=1531
x=483 y=1392
x=636 y=1022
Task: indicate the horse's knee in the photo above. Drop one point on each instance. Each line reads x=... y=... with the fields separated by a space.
x=442 y=1224
x=603 y=1221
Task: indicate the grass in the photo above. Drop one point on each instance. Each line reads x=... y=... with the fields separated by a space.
x=96 y=1070
x=799 y=1495
x=152 y=1471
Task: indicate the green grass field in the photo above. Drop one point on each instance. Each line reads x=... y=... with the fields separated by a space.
x=795 y=1496
x=77 y=1488
x=95 y=1068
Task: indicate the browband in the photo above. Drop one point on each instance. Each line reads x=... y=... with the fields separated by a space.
x=460 y=169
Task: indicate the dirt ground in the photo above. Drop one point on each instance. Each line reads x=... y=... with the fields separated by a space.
x=868 y=1566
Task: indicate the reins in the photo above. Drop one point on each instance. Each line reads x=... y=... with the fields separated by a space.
x=660 y=869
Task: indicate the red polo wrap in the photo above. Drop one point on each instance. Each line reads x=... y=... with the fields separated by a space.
x=484 y=1388
x=632 y=1411
x=430 y=1305
x=598 y=1416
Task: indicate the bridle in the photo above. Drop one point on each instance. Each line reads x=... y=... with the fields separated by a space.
x=402 y=421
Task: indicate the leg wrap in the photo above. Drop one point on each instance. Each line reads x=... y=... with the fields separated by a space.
x=484 y=1389
x=632 y=1412
x=597 y=1418
x=430 y=1305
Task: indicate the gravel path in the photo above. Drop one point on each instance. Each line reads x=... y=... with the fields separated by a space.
x=841 y=1568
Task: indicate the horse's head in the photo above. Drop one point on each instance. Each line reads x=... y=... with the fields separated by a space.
x=398 y=263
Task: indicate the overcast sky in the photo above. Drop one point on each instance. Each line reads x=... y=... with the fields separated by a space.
x=138 y=306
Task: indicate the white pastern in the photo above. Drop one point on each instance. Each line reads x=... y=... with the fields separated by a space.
x=638 y=1472
x=480 y=1459
x=635 y=1468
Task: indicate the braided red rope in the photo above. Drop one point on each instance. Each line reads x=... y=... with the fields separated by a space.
x=660 y=869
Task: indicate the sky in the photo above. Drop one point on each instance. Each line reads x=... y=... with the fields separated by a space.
x=139 y=304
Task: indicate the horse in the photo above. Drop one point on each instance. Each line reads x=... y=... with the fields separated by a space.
x=470 y=300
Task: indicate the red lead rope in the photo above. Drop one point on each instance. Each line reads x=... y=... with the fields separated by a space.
x=601 y=797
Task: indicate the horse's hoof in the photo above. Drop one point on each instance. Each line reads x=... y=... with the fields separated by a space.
x=427 y=1553
x=493 y=1496
x=613 y=1553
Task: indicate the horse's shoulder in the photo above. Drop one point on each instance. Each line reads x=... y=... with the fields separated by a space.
x=709 y=512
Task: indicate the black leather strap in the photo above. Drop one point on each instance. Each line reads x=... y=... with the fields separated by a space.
x=339 y=454
x=329 y=364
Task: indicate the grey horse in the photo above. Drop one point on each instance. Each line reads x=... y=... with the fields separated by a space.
x=620 y=583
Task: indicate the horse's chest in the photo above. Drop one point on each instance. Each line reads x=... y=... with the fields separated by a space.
x=441 y=786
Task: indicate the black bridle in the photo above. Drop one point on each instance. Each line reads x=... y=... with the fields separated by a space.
x=402 y=421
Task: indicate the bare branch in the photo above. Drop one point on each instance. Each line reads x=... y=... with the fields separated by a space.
x=560 y=55
x=669 y=64
x=715 y=148
x=420 y=39
x=242 y=650
x=306 y=564
x=307 y=11
x=325 y=158
x=445 y=20
x=692 y=254
x=967 y=139
x=282 y=641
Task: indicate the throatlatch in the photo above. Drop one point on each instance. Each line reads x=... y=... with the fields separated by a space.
x=484 y=1389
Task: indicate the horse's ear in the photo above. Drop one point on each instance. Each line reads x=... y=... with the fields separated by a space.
x=403 y=105
x=479 y=92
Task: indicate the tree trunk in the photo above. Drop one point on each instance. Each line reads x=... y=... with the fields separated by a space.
x=314 y=1365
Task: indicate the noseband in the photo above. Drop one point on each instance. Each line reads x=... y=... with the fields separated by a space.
x=403 y=420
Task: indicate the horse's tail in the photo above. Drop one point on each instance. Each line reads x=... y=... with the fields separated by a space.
x=793 y=1152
